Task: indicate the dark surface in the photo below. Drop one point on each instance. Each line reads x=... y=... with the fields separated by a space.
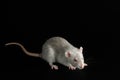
x=86 y=24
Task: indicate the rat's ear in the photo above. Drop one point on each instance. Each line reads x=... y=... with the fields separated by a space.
x=81 y=49
x=67 y=54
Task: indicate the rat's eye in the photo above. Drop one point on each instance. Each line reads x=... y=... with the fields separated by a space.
x=75 y=60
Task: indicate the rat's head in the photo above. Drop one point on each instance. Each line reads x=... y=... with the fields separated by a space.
x=76 y=58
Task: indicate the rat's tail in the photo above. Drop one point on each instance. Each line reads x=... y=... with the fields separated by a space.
x=26 y=52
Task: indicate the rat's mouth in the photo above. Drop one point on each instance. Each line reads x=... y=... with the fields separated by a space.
x=82 y=66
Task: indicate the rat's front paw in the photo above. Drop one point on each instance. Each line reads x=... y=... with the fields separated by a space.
x=72 y=67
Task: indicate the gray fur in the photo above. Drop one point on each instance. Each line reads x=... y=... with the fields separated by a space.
x=55 y=50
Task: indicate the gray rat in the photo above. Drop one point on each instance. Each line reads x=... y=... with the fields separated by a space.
x=58 y=49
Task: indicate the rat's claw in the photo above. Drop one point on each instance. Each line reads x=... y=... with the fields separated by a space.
x=72 y=67
x=54 y=67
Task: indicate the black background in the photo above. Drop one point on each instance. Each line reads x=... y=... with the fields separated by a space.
x=87 y=24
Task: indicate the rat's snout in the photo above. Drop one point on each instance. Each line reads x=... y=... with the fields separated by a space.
x=82 y=67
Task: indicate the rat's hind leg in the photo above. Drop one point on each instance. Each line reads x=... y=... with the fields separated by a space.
x=53 y=66
x=49 y=56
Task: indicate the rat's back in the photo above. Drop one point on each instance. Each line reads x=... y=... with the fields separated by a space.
x=57 y=43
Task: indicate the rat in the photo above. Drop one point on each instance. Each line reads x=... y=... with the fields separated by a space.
x=58 y=49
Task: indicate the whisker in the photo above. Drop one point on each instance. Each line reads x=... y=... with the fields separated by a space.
x=90 y=60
